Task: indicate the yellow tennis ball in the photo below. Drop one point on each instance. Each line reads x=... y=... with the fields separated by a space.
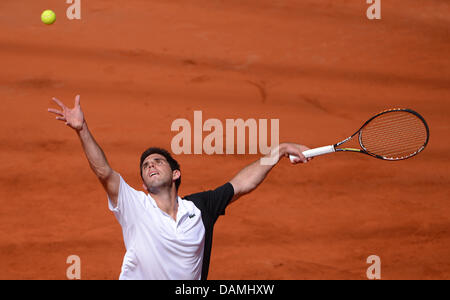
x=48 y=17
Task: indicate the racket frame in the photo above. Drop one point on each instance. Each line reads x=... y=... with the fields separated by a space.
x=363 y=149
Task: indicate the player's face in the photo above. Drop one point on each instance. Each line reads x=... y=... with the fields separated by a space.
x=156 y=172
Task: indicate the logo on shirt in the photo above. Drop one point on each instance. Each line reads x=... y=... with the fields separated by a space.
x=191 y=215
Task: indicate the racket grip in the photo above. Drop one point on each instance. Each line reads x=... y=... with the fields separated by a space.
x=314 y=152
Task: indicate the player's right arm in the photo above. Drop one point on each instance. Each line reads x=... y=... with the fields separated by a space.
x=74 y=118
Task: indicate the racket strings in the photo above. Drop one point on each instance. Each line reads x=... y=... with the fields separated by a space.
x=394 y=135
x=391 y=146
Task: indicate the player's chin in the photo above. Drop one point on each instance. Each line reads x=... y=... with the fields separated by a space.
x=150 y=182
x=157 y=183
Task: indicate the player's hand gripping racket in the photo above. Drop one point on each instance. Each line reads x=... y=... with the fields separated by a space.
x=393 y=134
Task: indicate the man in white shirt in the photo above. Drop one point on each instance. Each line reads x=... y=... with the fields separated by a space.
x=166 y=236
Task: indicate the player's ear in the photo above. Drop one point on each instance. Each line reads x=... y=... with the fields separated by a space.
x=145 y=187
x=176 y=174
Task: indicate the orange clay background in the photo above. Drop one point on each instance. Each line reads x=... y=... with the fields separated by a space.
x=320 y=67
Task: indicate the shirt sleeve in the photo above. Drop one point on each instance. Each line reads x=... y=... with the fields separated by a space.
x=128 y=203
x=213 y=202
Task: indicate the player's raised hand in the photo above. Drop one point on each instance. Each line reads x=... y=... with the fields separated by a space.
x=73 y=117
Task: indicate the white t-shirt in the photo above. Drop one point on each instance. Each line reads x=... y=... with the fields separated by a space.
x=158 y=247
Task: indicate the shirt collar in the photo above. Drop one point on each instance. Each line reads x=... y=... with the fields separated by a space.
x=182 y=209
x=152 y=201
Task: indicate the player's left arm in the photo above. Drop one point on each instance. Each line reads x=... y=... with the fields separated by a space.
x=254 y=174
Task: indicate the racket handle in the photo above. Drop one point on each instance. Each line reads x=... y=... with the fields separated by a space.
x=314 y=152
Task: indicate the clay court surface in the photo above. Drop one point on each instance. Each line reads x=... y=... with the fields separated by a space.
x=320 y=67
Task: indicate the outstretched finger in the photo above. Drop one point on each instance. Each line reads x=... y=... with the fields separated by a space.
x=55 y=111
x=60 y=104
x=61 y=119
x=77 y=100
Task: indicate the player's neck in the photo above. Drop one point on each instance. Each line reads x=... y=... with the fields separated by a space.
x=167 y=201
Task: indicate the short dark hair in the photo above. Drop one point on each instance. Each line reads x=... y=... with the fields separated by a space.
x=174 y=165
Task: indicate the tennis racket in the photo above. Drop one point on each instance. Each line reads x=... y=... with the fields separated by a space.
x=393 y=134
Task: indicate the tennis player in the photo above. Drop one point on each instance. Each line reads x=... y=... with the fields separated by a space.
x=166 y=236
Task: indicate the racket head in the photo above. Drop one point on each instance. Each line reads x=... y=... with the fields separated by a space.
x=394 y=134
